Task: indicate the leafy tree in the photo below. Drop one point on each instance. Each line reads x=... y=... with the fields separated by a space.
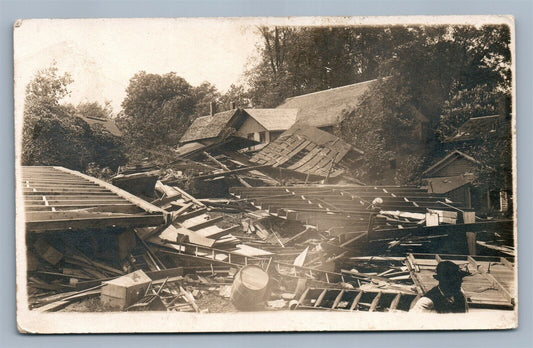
x=52 y=135
x=95 y=110
x=203 y=96
x=157 y=109
x=235 y=94
x=382 y=126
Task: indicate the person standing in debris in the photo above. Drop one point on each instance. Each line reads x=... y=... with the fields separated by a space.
x=446 y=297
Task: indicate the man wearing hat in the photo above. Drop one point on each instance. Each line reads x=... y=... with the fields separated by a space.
x=446 y=297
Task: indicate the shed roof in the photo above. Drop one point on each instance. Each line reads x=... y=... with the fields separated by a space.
x=328 y=107
x=447 y=160
x=475 y=127
x=207 y=127
x=449 y=183
x=274 y=119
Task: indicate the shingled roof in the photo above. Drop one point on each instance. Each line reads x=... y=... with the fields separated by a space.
x=328 y=107
x=207 y=127
x=274 y=119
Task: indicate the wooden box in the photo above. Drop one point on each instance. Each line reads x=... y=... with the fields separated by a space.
x=126 y=290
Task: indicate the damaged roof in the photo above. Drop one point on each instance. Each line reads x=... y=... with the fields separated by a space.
x=207 y=127
x=305 y=149
x=274 y=119
x=108 y=124
x=59 y=199
x=476 y=128
x=328 y=107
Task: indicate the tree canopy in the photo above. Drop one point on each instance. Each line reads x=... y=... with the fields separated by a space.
x=53 y=135
x=157 y=109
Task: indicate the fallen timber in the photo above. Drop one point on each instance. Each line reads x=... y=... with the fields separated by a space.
x=328 y=206
x=232 y=258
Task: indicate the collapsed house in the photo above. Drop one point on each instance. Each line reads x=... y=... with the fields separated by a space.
x=329 y=247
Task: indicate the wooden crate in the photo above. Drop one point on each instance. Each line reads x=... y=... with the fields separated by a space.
x=126 y=290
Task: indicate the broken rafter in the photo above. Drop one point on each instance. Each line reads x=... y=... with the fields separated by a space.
x=223 y=166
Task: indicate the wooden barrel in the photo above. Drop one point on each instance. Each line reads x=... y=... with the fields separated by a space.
x=249 y=287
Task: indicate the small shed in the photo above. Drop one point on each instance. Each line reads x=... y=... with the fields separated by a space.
x=454 y=174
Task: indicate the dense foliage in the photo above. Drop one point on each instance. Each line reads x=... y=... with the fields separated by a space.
x=53 y=135
x=440 y=74
x=157 y=109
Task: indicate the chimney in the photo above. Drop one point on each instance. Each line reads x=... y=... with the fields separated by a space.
x=212 y=108
x=232 y=105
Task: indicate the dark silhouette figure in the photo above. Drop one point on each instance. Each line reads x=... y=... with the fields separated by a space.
x=446 y=297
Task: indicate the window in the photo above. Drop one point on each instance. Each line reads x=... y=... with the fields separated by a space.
x=250 y=136
x=262 y=137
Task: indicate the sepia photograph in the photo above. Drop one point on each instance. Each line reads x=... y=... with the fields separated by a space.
x=265 y=174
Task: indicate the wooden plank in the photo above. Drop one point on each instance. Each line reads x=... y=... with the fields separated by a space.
x=216 y=232
x=60 y=198
x=491 y=279
x=285 y=156
x=394 y=303
x=199 y=225
x=164 y=201
x=230 y=172
x=311 y=164
x=106 y=207
x=241 y=180
x=313 y=151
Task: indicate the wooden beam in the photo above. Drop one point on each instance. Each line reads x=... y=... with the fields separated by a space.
x=242 y=181
x=452 y=230
x=375 y=301
x=36 y=224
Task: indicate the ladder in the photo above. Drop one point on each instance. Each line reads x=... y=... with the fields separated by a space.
x=356 y=300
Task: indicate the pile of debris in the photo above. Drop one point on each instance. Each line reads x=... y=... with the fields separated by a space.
x=253 y=244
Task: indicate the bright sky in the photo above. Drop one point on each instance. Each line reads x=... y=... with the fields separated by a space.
x=103 y=54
